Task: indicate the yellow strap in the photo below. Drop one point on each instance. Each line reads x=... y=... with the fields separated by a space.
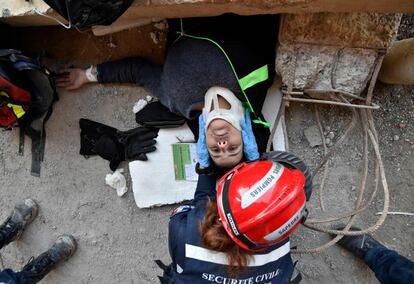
x=18 y=110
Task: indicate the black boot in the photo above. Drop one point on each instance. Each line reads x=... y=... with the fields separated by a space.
x=22 y=215
x=38 y=267
x=358 y=245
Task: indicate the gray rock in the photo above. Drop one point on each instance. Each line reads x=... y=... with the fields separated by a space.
x=313 y=136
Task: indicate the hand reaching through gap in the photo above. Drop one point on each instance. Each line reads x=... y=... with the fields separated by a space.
x=71 y=79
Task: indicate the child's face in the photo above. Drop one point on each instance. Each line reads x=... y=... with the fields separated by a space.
x=224 y=143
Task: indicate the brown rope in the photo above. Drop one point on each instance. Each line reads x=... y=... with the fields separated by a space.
x=350 y=127
x=368 y=130
x=275 y=124
x=366 y=116
x=370 y=92
x=358 y=202
x=324 y=91
x=381 y=220
x=346 y=231
x=325 y=102
x=325 y=150
x=285 y=134
x=359 y=210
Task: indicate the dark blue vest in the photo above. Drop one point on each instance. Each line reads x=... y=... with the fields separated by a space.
x=194 y=264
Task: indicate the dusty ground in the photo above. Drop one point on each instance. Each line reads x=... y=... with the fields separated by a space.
x=395 y=129
x=118 y=242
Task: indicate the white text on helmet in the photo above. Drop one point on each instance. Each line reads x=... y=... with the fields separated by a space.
x=287 y=226
x=232 y=224
x=262 y=186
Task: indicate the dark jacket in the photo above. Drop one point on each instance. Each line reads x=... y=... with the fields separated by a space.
x=194 y=65
x=249 y=43
x=191 y=263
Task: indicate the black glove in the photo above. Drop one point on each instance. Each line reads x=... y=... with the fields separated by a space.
x=91 y=132
x=156 y=115
x=137 y=142
x=110 y=149
x=116 y=146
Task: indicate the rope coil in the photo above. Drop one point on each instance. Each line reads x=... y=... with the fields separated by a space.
x=370 y=135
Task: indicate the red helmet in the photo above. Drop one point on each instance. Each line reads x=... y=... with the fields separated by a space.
x=261 y=203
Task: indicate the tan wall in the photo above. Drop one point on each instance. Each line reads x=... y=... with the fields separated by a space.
x=185 y=8
x=69 y=47
x=366 y=30
x=398 y=65
x=18 y=12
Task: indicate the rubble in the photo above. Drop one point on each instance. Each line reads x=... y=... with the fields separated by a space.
x=313 y=136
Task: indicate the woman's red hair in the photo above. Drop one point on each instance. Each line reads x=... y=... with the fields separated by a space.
x=215 y=237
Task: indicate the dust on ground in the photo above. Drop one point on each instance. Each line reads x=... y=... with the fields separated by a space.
x=406 y=29
x=394 y=123
x=119 y=242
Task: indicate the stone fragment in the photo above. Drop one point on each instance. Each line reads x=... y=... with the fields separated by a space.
x=313 y=136
x=321 y=52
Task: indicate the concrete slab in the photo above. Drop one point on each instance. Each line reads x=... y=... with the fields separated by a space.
x=332 y=51
x=22 y=13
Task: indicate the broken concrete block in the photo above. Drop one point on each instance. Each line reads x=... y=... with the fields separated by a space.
x=323 y=68
x=332 y=51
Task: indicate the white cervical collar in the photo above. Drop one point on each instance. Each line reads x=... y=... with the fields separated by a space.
x=213 y=111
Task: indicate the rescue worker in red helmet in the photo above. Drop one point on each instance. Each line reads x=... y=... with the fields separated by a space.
x=237 y=231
